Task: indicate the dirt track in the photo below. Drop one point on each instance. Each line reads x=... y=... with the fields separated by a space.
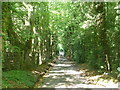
x=65 y=75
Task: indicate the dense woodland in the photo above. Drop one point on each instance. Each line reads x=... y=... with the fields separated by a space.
x=33 y=33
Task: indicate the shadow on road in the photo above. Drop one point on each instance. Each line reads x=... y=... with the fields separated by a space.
x=65 y=75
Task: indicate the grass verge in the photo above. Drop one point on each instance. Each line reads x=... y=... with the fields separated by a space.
x=18 y=79
x=25 y=79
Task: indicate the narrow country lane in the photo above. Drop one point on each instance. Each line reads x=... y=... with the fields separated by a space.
x=34 y=33
x=65 y=75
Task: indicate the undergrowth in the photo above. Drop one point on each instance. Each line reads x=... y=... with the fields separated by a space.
x=22 y=78
x=18 y=79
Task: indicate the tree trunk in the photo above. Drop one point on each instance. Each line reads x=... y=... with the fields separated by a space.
x=102 y=33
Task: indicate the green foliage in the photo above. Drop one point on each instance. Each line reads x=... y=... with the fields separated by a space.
x=85 y=41
x=17 y=79
x=88 y=32
x=26 y=32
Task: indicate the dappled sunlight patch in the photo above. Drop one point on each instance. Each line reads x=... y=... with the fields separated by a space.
x=95 y=77
x=92 y=77
x=85 y=86
x=54 y=77
x=69 y=79
x=35 y=72
x=98 y=80
x=72 y=72
x=63 y=65
x=64 y=74
x=69 y=63
x=60 y=71
x=53 y=74
x=107 y=83
x=61 y=86
x=52 y=64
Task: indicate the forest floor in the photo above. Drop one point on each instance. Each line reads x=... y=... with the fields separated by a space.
x=66 y=74
x=25 y=78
